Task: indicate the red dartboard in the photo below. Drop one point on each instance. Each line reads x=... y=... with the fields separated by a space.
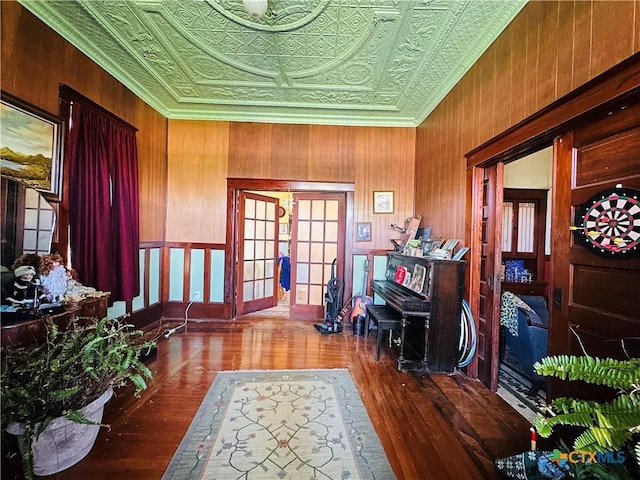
x=609 y=223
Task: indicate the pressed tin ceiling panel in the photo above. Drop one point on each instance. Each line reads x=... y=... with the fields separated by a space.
x=355 y=62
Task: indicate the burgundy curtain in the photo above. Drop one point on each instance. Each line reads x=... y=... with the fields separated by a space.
x=103 y=202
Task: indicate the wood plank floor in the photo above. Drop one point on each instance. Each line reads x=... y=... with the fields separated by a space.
x=435 y=426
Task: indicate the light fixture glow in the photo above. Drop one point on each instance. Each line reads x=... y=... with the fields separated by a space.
x=256 y=8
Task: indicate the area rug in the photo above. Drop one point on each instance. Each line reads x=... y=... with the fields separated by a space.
x=281 y=424
x=514 y=389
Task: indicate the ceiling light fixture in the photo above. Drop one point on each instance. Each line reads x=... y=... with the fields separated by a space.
x=255 y=8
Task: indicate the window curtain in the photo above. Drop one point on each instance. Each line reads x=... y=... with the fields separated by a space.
x=103 y=202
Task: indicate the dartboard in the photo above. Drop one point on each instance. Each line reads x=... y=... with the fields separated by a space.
x=609 y=223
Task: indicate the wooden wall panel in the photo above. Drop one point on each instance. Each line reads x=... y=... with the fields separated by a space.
x=249 y=150
x=336 y=143
x=290 y=152
x=528 y=50
x=549 y=49
x=564 y=72
x=608 y=49
x=612 y=283
x=152 y=172
x=36 y=60
x=197 y=157
x=546 y=55
x=503 y=83
x=608 y=160
x=373 y=158
x=384 y=162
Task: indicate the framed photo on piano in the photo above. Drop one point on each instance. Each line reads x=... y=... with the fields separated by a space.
x=417 y=278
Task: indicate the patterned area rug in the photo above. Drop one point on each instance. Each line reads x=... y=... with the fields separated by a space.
x=281 y=424
x=514 y=389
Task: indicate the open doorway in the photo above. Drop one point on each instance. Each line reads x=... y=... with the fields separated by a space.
x=283 y=263
x=317 y=233
x=525 y=251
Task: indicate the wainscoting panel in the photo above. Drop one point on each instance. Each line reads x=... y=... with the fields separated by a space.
x=150 y=270
x=138 y=302
x=216 y=286
x=196 y=275
x=176 y=274
x=154 y=275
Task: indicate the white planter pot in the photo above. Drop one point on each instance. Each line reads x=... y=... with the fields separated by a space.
x=64 y=443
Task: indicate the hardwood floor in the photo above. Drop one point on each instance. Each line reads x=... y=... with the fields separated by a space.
x=434 y=426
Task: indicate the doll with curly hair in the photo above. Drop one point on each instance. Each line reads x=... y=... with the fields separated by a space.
x=53 y=276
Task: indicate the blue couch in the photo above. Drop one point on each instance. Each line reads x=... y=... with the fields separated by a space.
x=531 y=343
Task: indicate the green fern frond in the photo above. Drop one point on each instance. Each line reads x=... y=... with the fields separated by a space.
x=602 y=439
x=613 y=373
x=68 y=371
x=606 y=426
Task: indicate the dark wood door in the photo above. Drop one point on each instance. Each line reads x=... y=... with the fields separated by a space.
x=490 y=259
x=593 y=298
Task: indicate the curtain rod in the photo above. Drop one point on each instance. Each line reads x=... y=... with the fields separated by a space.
x=66 y=93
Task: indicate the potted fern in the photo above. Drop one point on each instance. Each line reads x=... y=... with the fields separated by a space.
x=53 y=394
x=610 y=428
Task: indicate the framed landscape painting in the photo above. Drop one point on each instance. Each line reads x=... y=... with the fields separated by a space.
x=30 y=146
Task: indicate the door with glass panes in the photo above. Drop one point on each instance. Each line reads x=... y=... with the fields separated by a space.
x=257 y=252
x=317 y=239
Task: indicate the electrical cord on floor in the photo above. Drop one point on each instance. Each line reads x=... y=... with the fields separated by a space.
x=167 y=333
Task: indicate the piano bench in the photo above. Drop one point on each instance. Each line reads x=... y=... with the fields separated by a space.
x=386 y=318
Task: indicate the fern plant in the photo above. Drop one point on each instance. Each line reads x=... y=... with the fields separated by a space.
x=68 y=371
x=607 y=426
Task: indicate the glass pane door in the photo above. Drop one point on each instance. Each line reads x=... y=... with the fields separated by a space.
x=317 y=239
x=257 y=252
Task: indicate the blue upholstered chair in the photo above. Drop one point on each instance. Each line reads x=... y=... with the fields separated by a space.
x=531 y=343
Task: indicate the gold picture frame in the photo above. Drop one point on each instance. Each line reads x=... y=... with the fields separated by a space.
x=383 y=202
x=31 y=146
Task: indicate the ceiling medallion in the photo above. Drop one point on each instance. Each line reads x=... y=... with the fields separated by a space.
x=279 y=16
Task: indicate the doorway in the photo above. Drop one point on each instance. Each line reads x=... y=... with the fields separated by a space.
x=311 y=234
x=525 y=250
x=280 y=303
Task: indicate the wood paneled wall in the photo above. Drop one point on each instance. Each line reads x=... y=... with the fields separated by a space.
x=548 y=50
x=203 y=154
x=197 y=190
x=36 y=60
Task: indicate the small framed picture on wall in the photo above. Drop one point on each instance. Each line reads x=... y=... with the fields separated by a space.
x=363 y=232
x=383 y=202
x=284 y=229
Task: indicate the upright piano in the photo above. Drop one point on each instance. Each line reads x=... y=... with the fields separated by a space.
x=429 y=309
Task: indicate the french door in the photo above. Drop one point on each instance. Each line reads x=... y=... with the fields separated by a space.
x=317 y=238
x=257 y=252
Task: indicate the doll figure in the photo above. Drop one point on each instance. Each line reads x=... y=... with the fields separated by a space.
x=29 y=259
x=26 y=291
x=75 y=290
x=53 y=275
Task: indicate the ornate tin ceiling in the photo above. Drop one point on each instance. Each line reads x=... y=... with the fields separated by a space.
x=342 y=62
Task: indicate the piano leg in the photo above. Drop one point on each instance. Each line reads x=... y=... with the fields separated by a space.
x=426 y=338
x=402 y=339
